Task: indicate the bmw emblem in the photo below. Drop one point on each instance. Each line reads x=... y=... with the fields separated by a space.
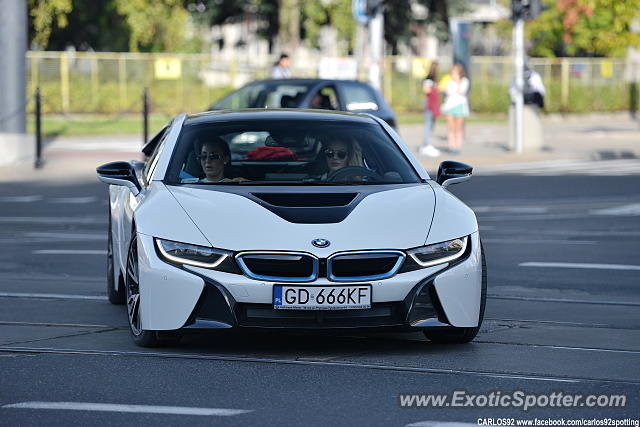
x=320 y=243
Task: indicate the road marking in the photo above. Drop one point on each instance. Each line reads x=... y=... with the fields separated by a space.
x=69 y=252
x=439 y=424
x=74 y=200
x=540 y=241
x=141 y=409
x=580 y=265
x=511 y=209
x=68 y=236
x=52 y=220
x=616 y=167
x=626 y=210
x=20 y=199
x=51 y=296
x=59 y=325
x=566 y=300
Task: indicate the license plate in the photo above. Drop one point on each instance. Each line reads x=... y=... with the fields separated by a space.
x=321 y=297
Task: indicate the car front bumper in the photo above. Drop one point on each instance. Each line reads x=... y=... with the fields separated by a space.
x=197 y=298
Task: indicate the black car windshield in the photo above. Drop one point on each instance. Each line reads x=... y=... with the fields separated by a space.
x=287 y=152
x=263 y=95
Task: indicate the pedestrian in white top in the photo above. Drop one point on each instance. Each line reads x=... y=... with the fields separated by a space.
x=281 y=69
x=456 y=107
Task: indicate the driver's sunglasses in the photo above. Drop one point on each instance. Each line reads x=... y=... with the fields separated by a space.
x=210 y=156
x=340 y=154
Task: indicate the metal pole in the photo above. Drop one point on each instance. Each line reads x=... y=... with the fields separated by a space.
x=145 y=115
x=376 y=34
x=518 y=43
x=38 y=116
x=13 y=45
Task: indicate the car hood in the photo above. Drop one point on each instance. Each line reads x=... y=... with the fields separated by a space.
x=395 y=218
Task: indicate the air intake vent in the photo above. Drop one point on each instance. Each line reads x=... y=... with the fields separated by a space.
x=306 y=200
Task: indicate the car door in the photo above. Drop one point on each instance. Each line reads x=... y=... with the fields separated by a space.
x=124 y=202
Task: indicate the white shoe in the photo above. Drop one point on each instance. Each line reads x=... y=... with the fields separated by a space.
x=429 y=151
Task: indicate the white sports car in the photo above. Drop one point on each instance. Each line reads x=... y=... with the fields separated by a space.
x=290 y=219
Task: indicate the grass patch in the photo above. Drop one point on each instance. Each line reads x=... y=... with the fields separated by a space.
x=76 y=125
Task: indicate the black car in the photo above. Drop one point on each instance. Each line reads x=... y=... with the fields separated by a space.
x=342 y=95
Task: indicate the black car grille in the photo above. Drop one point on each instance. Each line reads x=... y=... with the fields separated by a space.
x=364 y=265
x=303 y=267
x=286 y=267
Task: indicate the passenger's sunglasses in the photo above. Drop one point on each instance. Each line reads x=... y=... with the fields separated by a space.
x=210 y=156
x=340 y=154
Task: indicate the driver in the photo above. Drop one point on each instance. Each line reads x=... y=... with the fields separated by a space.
x=340 y=154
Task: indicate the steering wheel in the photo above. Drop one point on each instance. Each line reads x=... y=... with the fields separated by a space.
x=352 y=172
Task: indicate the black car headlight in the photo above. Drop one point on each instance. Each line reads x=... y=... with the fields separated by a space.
x=439 y=253
x=184 y=253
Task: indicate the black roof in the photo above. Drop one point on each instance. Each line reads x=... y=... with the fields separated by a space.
x=263 y=114
x=296 y=80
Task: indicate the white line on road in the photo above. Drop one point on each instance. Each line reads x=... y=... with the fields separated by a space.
x=51 y=296
x=68 y=236
x=52 y=220
x=20 y=199
x=580 y=265
x=540 y=241
x=69 y=252
x=439 y=424
x=565 y=300
x=511 y=209
x=141 y=409
x=74 y=200
x=626 y=210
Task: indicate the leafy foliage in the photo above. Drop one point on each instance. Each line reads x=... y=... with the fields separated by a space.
x=46 y=15
x=585 y=28
x=156 y=25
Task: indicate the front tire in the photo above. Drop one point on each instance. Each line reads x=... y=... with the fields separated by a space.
x=132 y=286
x=453 y=335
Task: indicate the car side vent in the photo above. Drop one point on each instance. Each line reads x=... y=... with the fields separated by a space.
x=306 y=200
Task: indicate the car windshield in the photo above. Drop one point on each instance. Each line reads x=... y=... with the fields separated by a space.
x=261 y=95
x=287 y=152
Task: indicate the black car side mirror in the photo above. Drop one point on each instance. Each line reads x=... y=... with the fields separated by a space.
x=451 y=172
x=119 y=173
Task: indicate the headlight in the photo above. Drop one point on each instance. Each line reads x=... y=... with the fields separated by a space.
x=183 y=253
x=439 y=253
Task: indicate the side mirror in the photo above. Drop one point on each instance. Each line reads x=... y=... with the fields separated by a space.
x=451 y=172
x=119 y=173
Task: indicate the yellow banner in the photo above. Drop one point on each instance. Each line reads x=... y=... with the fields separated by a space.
x=606 y=69
x=168 y=69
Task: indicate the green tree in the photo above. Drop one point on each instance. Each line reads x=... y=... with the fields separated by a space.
x=584 y=28
x=47 y=15
x=156 y=25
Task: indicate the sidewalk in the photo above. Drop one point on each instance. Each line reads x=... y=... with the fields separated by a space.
x=581 y=138
x=589 y=137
